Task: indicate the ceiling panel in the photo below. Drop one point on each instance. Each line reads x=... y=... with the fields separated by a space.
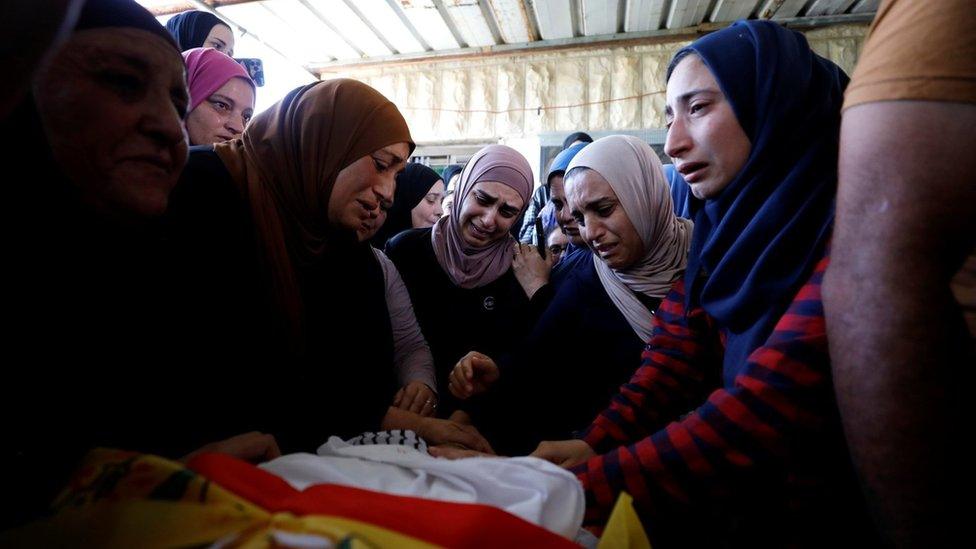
x=865 y=6
x=340 y=16
x=686 y=13
x=828 y=7
x=643 y=15
x=555 y=18
x=512 y=23
x=388 y=23
x=732 y=10
x=306 y=41
x=470 y=22
x=600 y=16
x=787 y=9
x=424 y=17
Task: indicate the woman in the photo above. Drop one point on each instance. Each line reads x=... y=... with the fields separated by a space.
x=101 y=144
x=416 y=203
x=586 y=342
x=450 y=176
x=728 y=432
x=270 y=234
x=221 y=97
x=200 y=29
x=458 y=271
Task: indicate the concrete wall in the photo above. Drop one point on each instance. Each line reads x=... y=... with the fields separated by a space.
x=519 y=96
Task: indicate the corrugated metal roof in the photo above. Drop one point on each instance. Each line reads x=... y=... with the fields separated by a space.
x=315 y=33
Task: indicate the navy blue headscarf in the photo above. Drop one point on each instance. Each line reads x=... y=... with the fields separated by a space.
x=758 y=241
x=190 y=28
x=680 y=191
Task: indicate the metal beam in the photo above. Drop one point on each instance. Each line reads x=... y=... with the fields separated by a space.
x=379 y=35
x=449 y=21
x=177 y=7
x=530 y=20
x=577 y=13
x=206 y=7
x=628 y=38
x=398 y=10
x=489 y=15
x=333 y=28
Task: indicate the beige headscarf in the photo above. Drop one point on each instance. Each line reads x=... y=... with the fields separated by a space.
x=636 y=176
x=287 y=162
x=470 y=267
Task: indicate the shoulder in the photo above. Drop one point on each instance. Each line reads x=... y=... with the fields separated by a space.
x=407 y=243
x=204 y=179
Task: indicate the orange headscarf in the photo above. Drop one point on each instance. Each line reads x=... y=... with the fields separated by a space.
x=286 y=164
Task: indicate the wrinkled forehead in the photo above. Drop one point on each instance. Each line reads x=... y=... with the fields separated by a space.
x=690 y=75
x=585 y=185
x=138 y=48
x=222 y=32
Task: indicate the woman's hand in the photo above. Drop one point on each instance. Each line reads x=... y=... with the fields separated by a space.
x=452 y=452
x=531 y=270
x=443 y=432
x=416 y=397
x=472 y=375
x=254 y=447
x=564 y=453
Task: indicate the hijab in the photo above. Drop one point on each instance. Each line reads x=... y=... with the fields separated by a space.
x=758 y=241
x=449 y=172
x=412 y=185
x=470 y=267
x=680 y=191
x=634 y=172
x=576 y=136
x=562 y=160
x=286 y=164
x=207 y=70
x=191 y=28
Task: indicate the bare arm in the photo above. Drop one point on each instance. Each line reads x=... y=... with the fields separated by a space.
x=906 y=220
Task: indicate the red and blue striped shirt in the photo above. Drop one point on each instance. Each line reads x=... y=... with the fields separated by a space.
x=764 y=452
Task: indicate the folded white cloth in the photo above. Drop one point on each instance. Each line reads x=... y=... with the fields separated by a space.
x=530 y=488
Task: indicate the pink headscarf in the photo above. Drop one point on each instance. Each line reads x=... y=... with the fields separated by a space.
x=467 y=266
x=207 y=70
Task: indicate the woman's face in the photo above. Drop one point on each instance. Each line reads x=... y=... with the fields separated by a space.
x=223 y=115
x=564 y=214
x=112 y=101
x=447 y=203
x=364 y=190
x=556 y=243
x=488 y=212
x=221 y=38
x=602 y=221
x=429 y=210
x=705 y=140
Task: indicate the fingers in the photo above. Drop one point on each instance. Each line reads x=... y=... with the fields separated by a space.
x=398 y=398
x=475 y=441
x=272 y=450
x=449 y=452
x=460 y=379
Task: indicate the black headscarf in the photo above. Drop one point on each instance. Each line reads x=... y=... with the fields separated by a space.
x=577 y=136
x=190 y=28
x=412 y=185
x=80 y=289
x=120 y=13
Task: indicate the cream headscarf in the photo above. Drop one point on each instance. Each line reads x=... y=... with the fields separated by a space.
x=636 y=176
